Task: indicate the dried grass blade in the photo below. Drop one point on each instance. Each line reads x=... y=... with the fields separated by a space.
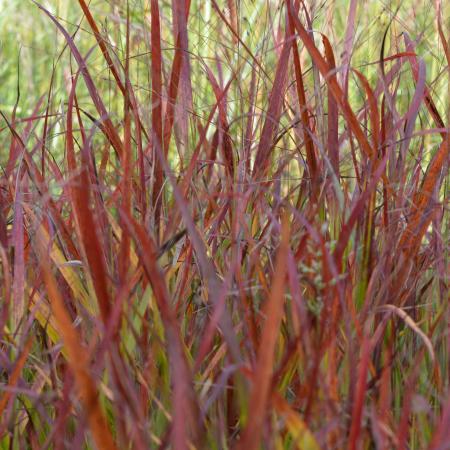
x=411 y=324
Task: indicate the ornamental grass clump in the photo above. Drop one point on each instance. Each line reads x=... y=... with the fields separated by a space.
x=224 y=225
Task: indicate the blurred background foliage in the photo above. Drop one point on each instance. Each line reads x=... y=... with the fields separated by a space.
x=31 y=47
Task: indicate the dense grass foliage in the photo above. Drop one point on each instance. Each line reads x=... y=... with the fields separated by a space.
x=224 y=224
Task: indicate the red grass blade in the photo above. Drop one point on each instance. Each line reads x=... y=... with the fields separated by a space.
x=335 y=89
x=311 y=156
x=81 y=195
x=172 y=94
x=184 y=427
x=333 y=138
x=271 y=122
x=157 y=130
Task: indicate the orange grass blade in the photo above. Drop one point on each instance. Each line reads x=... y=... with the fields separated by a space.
x=422 y=208
x=77 y=355
x=262 y=378
x=15 y=375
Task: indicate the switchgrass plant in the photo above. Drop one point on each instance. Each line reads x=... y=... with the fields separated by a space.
x=224 y=225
